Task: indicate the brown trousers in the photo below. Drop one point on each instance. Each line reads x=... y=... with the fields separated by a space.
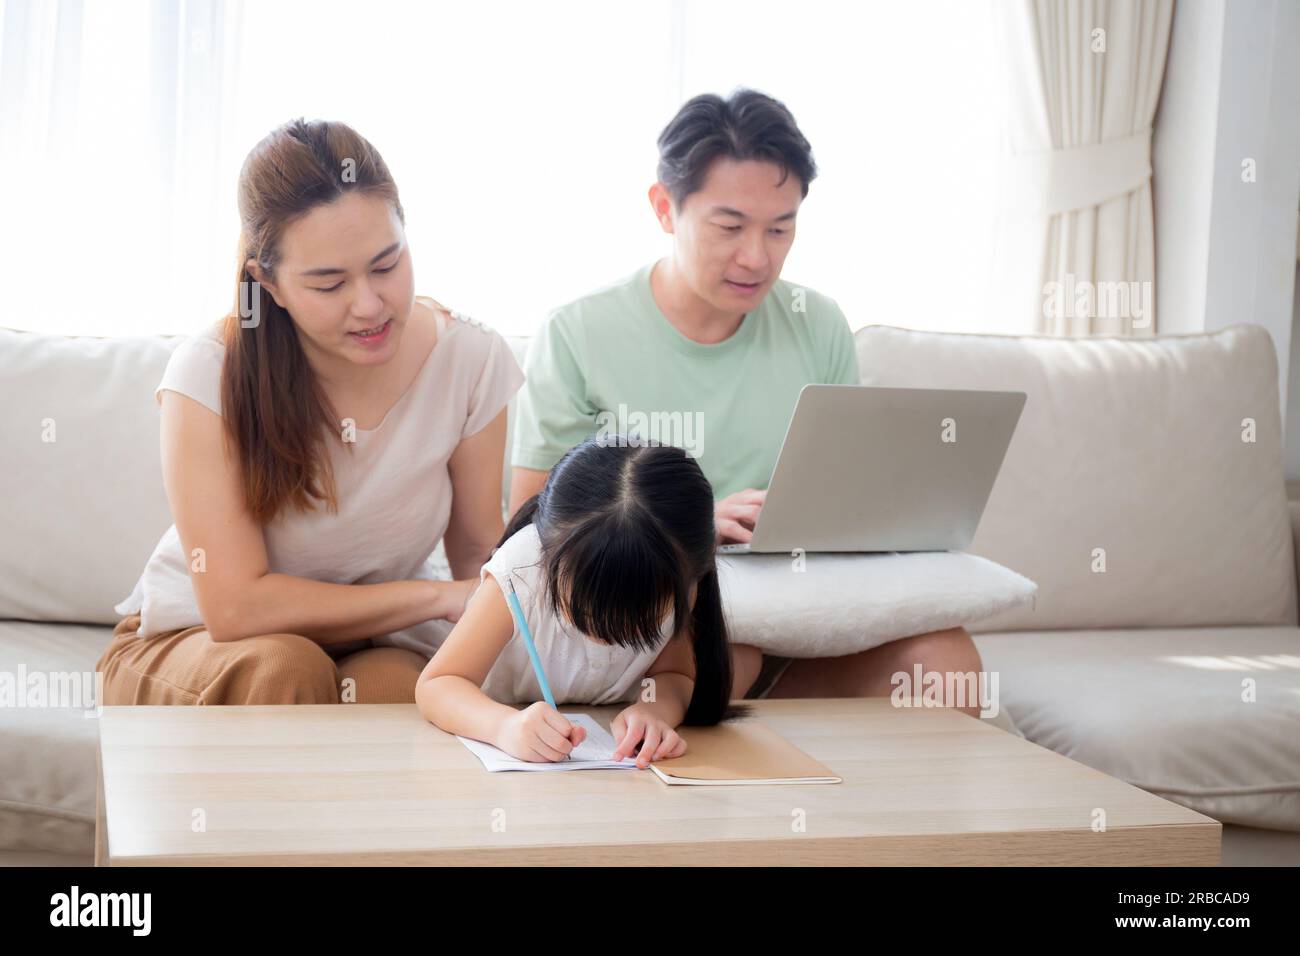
x=188 y=667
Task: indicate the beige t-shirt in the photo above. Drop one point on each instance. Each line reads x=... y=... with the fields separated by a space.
x=394 y=488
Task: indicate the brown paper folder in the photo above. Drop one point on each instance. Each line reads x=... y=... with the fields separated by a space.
x=740 y=752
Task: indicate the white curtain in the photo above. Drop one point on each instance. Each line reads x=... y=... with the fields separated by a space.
x=115 y=123
x=1075 y=247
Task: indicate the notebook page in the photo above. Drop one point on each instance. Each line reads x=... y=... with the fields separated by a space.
x=594 y=753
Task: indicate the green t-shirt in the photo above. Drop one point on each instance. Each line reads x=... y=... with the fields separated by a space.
x=611 y=363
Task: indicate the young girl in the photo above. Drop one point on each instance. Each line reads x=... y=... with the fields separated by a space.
x=613 y=564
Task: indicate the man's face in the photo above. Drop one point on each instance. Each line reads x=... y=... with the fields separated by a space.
x=732 y=235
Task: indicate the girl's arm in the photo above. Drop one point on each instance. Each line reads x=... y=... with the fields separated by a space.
x=653 y=723
x=449 y=692
x=236 y=592
x=673 y=681
x=476 y=523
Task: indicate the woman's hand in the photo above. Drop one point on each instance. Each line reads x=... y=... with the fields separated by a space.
x=736 y=515
x=659 y=740
x=539 y=734
x=450 y=598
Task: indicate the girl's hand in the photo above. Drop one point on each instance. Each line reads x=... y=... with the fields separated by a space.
x=659 y=740
x=539 y=734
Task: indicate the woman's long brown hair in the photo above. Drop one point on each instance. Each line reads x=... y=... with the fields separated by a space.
x=277 y=415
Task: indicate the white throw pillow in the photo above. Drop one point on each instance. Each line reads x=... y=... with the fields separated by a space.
x=829 y=605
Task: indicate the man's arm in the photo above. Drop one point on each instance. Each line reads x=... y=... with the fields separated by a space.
x=524 y=483
x=553 y=413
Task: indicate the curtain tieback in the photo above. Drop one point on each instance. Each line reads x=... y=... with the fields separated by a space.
x=1059 y=180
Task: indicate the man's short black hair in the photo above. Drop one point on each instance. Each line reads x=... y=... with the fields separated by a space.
x=746 y=125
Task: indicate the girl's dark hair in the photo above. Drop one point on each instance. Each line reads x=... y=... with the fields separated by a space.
x=277 y=416
x=626 y=529
x=746 y=125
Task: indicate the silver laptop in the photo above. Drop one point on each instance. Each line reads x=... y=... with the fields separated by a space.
x=884 y=469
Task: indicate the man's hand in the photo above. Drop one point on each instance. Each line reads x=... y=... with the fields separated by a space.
x=736 y=515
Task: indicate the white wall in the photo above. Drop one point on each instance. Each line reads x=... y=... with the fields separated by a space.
x=1225 y=249
x=1182 y=164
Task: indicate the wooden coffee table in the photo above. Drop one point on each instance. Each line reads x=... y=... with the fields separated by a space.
x=377 y=784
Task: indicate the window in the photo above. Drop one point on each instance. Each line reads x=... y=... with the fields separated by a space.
x=521 y=135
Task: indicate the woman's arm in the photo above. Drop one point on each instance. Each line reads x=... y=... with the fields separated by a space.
x=236 y=592
x=476 y=522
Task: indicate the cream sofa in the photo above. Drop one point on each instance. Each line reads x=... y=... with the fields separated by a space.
x=1131 y=447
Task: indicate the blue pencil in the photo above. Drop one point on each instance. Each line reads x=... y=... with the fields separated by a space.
x=513 y=600
x=518 y=612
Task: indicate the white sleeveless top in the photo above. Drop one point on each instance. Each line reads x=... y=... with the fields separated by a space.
x=394 y=488
x=578 y=669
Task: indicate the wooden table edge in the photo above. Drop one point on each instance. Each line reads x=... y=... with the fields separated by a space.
x=1195 y=845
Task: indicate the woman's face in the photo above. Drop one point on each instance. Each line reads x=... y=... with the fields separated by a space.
x=346 y=279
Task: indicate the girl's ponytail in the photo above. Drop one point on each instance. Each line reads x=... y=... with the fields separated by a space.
x=711 y=699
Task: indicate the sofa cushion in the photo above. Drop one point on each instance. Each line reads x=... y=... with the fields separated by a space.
x=1166 y=710
x=1127 y=493
x=47 y=753
x=86 y=508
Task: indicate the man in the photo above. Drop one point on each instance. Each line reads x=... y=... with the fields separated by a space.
x=708 y=349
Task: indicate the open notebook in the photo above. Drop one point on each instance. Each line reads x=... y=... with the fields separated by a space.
x=736 y=752
x=594 y=753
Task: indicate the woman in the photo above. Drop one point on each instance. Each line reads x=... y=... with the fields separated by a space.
x=316 y=446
